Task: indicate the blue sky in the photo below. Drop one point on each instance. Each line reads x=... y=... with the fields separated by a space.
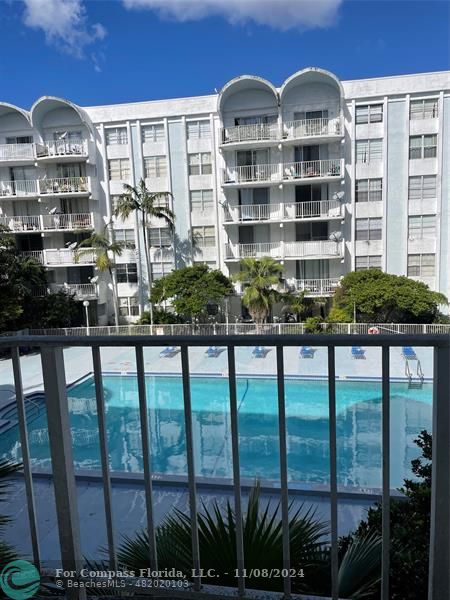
x=107 y=51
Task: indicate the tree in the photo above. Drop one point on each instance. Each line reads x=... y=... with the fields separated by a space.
x=147 y=204
x=260 y=276
x=106 y=250
x=18 y=276
x=189 y=290
x=410 y=530
x=55 y=310
x=294 y=304
x=383 y=298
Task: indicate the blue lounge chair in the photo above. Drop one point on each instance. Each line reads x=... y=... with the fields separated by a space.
x=213 y=352
x=168 y=352
x=358 y=352
x=306 y=352
x=409 y=353
x=259 y=352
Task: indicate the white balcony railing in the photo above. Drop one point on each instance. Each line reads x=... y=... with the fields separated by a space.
x=312 y=168
x=80 y=291
x=283 y=211
x=61 y=257
x=58 y=148
x=19 y=188
x=315 y=287
x=312 y=128
x=48 y=222
x=281 y=250
x=64 y=185
x=256 y=132
x=251 y=173
x=16 y=152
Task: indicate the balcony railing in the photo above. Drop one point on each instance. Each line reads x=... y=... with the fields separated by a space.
x=252 y=173
x=64 y=185
x=283 y=211
x=310 y=169
x=312 y=128
x=281 y=250
x=257 y=132
x=58 y=148
x=18 y=188
x=315 y=287
x=63 y=472
x=80 y=291
x=16 y=152
x=48 y=222
x=62 y=257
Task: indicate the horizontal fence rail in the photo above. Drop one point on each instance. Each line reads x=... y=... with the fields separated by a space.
x=54 y=381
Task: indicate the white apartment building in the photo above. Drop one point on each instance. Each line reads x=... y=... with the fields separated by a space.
x=326 y=176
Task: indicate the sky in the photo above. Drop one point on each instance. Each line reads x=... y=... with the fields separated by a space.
x=109 y=51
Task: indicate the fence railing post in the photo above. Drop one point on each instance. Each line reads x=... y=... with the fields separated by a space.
x=439 y=566
x=60 y=440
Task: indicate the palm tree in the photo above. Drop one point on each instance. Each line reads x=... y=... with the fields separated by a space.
x=147 y=204
x=294 y=303
x=260 y=276
x=106 y=249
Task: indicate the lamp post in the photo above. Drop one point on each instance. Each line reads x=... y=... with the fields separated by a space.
x=86 y=308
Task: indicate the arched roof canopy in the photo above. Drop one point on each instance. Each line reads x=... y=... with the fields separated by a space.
x=246 y=83
x=43 y=106
x=22 y=116
x=311 y=75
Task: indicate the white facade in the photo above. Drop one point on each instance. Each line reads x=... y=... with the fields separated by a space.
x=324 y=175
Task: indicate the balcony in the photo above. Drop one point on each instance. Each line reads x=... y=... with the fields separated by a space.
x=294 y=172
x=62 y=257
x=283 y=211
x=253 y=175
x=16 y=154
x=312 y=130
x=248 y=136
x=19 y=189
x=285 y=250
x=57 y=222
x=311 y=170
x=314 y=288
x=80 y=291
x=55 y=357
x=64 y=186
x=62 y=150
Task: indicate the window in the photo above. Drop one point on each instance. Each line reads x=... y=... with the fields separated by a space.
x=369 y=150
x=369 y=190
x=159 y=237
x=153 y=133
x=368 y=229
x=422 y=187
x=128 y=307
x=422 y=146
x=202 y=201
x=423 y=109
x=204 y=237
x=20 y=139
x=197 y=130
x=119 y=169
x=200 y=164
x=421 y=265
x=155 y=166
x=372 y=113
x=125 y=235
x=116 y=135
x=422 y=226
x=126 y=273
x=367 y=262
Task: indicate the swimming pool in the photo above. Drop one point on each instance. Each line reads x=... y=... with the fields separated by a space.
x=358 y=428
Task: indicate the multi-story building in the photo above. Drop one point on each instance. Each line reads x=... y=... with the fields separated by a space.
x=326 y=176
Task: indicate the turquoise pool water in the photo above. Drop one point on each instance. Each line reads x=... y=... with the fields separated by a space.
x=358 y=426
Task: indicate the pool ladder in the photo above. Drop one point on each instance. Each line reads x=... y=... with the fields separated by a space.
x=414 y=382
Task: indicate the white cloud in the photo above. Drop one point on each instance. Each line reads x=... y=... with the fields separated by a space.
x=64 y=23
x=279 y=14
